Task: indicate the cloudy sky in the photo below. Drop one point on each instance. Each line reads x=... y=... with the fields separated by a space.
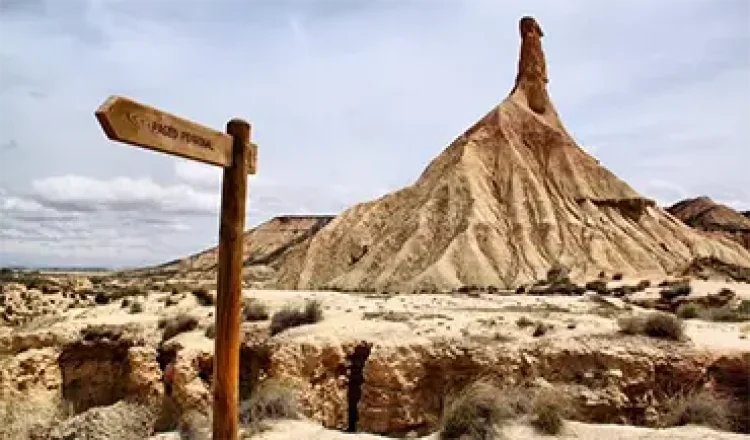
x=348 y=100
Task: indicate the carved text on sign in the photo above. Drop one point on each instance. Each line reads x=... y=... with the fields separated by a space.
x=169 y=131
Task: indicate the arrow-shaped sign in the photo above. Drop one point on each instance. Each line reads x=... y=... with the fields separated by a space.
x=133 y=123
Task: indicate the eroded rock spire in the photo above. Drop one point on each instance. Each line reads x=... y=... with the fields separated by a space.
x=532 y=68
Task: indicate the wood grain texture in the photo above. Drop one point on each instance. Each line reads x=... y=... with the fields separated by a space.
x=229 y=284
x=128 y=121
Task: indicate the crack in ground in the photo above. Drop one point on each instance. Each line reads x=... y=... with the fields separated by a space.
x=357 y=361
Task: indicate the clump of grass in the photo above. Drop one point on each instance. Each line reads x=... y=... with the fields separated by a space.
x=176 y=325
x=688 y=311
x=599 y=286
x=136 y=307
x=290 y=316
x=194 y=425
x=547 y=412
x=656 y=325
x=617 y=276
x=254 y=310
x=475 y=414
x=211 y=331
x=701 y=408
x=716 y=314
x=203 y=296
x=271 y=400
x=524 y=322
x=723 y=314
x=541 y=329
x=676 y=291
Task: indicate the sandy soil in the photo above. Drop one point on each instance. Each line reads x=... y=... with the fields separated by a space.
x=296 y=430
x=397 y=319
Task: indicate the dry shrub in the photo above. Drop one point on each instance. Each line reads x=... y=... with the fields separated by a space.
x=254 y=310
x=599 y=286
x=290 y=316
x=136 y=307
x=724 y=314
x=204 y=297
x=178 y=324
x=541 y=329
x=676 y=291
x=701 y=408
x=688 y=311
x=524 y=322
x=194 y=425
x=547 y=412
x=270 y=400
x=664 y=326
x=716 y=314
x=481 y=410
x=476 y=413
x=210 y=331
x=656 y=325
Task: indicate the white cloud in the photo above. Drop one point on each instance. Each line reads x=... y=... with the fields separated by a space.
x=84 y=194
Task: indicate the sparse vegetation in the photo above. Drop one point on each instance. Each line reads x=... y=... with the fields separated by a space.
x=194 y=425
x=476 y=413
x=701 y=408
x=599 y=286
x=271 y=400
x=723 y=314
x=211 y=331
x=7 y=274
x=617 y=276
x=290 y=316
x=103 y=297
x=524 y=322
x=688 y=311
x=254 y=310
x=547 y=412
x=176 y=325
x=480 y=410
x=204 y=297
x=541 y=329
x=136 y=307
x=656 y=325
x=675 y=291
x=389 y=315
x=716 y=314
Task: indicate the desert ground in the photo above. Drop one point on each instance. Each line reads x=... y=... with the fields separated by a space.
x=383 y=361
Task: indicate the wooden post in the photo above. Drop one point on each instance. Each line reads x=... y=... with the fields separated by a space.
x=131 y=122
x=229 y=285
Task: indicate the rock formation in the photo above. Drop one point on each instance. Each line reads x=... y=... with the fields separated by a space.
x=532 y=68
x=509 y=199
x=704 y=214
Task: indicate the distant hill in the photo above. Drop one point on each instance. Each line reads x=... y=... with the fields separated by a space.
x=706 y=215
x=265 y=248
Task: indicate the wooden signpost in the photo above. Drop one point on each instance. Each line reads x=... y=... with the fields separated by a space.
x=127 y=121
